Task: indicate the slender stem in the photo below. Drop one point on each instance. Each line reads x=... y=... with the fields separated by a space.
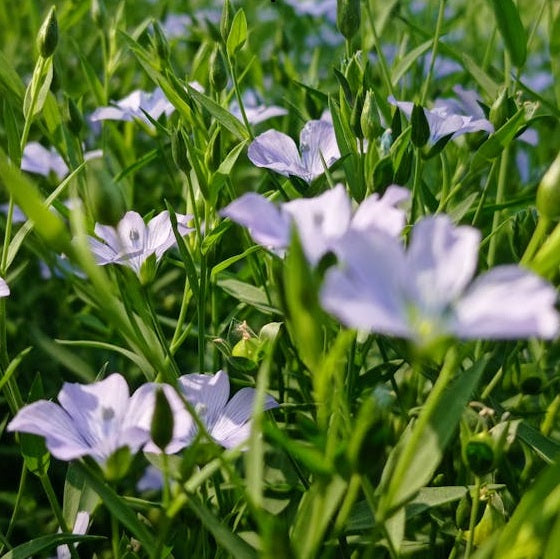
x=417 y=195
x=17 y=504
x=380 y=55
x=434 y=52
x=537 y=239
x=40 y=67
x=233 y=73
x=487 y=184
x=500 y=194
x=115 y=537
x=472 y=520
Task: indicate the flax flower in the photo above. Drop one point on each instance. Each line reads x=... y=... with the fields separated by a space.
x=4 y=289
x=426 y=292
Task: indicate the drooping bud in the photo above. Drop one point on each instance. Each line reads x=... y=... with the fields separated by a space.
x=47 y=38
x=218 y=70
x=369 y=119
x=548 y=193
x=348 y=17
x=161 y=428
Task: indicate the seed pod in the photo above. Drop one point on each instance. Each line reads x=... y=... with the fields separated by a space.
x=369 y=119
x=479 y=455
x=348 y=17
x=225 y=21
x=218 y=70
x=161 y=428
x=47 y=38
x=548 y=193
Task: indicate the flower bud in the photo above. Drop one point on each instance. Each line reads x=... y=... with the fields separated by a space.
x=105 y=196
x=161 y=428
x=225 y=21
x=369 y=119
x=499 y=112
x=420 y=133
x=548 y=193
x=479 y=454
x=348 y=17
x=218 y=70
x=179 y=152
x=47 y=38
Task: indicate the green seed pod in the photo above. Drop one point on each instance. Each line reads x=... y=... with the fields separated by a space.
x=47 y=38
x=548 y=193
x=161 y=428
x=369 y=119
x=218 y=70
x=499 y=112
x=75 y=118
x=479 y=454
x=348 y=17
x=179 y=152
x=105 y=196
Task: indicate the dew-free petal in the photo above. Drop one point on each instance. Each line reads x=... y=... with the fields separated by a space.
x=4 y=289
x=317 y=143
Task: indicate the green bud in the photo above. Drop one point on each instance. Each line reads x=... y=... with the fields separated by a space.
x=479 y=455
x=161 y=428
x=47 y=38
x=548 y=193
x=106 y=199
x=218 y=70
x=160 y=41
x=383 y=174
x=420 y=133
x=348 y=17
x=75 y=118
x=369 y=119
x=179 y=152
x=499 y=112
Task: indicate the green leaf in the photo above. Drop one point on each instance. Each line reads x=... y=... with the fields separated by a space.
x=484 y=80
x=225 y=264
x=12 y=132
x=215 y=235
x=418 y=453
x=248 y=294
x=46 y=543
x=420 y=128
x=10 y=82
x=238 y=33
x=224 y=170
x=512 y=30
x=38 y=88
x=229 y=541
x=554 y=48
x=78 y=495
x=403 y=66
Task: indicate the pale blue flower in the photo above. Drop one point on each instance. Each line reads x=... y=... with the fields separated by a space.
x=80 y=528
x=4 y=289
x=255 y=111
x=39 y=160
x=132 y=242
x=319 y=221
x=315 y=8
x=445 y=123
x=276 y=151
x=92 y=420
x=425 y=292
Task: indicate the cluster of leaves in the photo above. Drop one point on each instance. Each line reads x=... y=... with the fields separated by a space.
x=377 y=449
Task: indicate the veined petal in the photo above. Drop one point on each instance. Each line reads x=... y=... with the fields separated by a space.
x=267 y=225
x=207 y=393
x=39 y=160
x=365 y=292
x=109 y=113
x=507 y=302
x=441 y=261
x=317 y=142
x=320 y=220
x=132 y=234
x=232 y=426
x=278 y=152
x=104 y=254
x=382 y=214
x=49 y=420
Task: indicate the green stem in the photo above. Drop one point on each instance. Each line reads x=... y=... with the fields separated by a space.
x=487 y=184
x=472 y=520
x=233 y=74
x=417 y=195
x=434 y=52
x=380 y=55
x=500 y=194
x=537 y=239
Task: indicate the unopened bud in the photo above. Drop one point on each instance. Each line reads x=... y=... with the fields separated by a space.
x=479 y=455
x=420 y=133
x=47 y=38
x=225 y=21
x=161 y=428
x=499 y=112
x=348 y=17
x=369 y=119
x=548 y=193
x=179 y=152
x=218 y=70
x=75 y=118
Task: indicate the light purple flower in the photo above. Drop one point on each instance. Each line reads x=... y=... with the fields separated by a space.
x=228 y=421
x=131 y=242
x=39 y=160
x=175 y=26
x=255 y=111
x=443 y=122
x=134 y=105
x=320 y=221
x=278 y=152
x=425 y=292
x=80 y=528
x=92 y=420
x=315 y=8
x=4 y=289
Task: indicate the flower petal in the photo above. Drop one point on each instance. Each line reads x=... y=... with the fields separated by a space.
x=267 y=225
x=278 y=152
x=365 y=291
x=508 y=302
x=317 y=143
x=4 y=289
x=441 y=261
